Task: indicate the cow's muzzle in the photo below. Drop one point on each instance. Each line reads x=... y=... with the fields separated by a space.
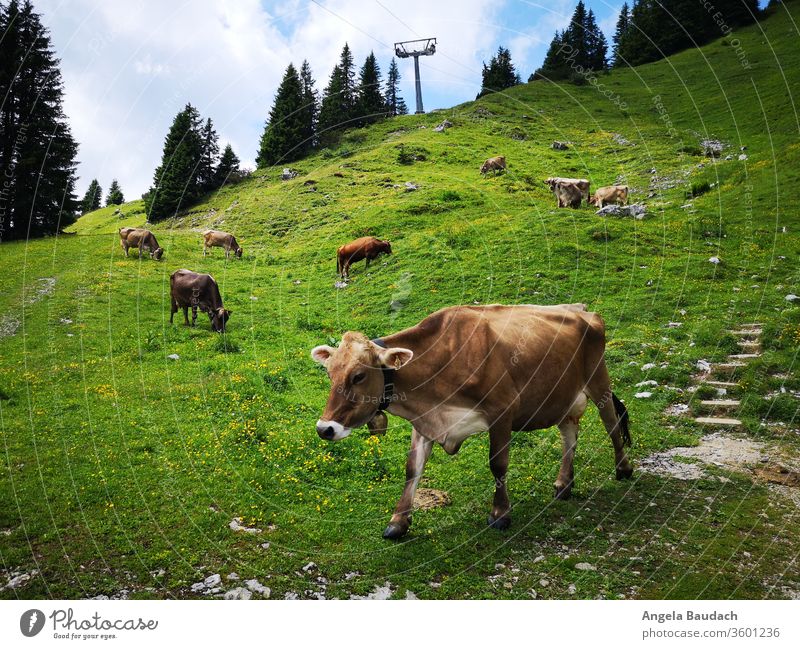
x=333 y=431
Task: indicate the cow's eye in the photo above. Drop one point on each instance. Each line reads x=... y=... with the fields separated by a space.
x=358 y=378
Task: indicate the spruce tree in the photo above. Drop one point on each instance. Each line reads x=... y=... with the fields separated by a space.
x=283 y=137
x=623 y=24
x=394 y=102
x=596 y=45
x=206 y=170
x=370 y=104
x=175 y=180
x=115 y=196
x=338 y=99
x=310 y=106
x=555 y=66
x=228 y=167
x=575 y=37
x=93 y=197
x=499 y=74
x=37 y=151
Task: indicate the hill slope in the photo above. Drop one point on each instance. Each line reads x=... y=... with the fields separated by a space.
x=122 y=463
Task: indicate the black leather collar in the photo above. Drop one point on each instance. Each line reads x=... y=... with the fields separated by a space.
x=388 y=380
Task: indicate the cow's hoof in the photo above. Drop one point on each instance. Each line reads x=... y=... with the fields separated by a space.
x=393 y=531
x=563 y=493
x=501 y=523
x=624 y=474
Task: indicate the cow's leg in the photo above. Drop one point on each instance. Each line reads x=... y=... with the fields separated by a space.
x=415 y=465
x=205 y=249
x=612 y=413
x=499 y=440
x=173 y=309
x=124 y=247
x=569 y=429
x=194 y=314
x=186 y=315
x=141 y=249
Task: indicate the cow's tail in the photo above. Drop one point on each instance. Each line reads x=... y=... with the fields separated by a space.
x=338 y=263
x=622 y=414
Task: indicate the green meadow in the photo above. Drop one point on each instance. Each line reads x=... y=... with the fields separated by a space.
x=122 y=468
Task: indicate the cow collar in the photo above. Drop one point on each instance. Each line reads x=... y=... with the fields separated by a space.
x=388 y=380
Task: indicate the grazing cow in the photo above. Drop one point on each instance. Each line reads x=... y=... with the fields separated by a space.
x=142 y=240
x=568 y=194
x=616 y=194
x=498 y=163
x=198 y=291
x=469 y=369
x=363 y=248
x=217 y=238
x=580 y=183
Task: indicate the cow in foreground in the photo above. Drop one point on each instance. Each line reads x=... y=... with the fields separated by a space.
x=140 y=239
x=363 y=248
x=613 y=194
x=469 y=369
x=198 y=291
x=581 y=183
x=219 y=239
x=498 y=163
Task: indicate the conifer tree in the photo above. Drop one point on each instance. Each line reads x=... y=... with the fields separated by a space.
x=283 y=137
x=394 y=102
x=338 y=99
x=115 y=196
x=623 y=24
x=37 y=151
x=206 y=174
x=499 y=74
x=175 y=180
x=596 y=45
x=310 y=106
x=93 y=197
x=370 y=104
x=228 y=167
x=554 y=67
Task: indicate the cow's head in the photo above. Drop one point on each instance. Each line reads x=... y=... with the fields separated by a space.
x=238 y=253
x=157 y=253
x=356 y=372
x=551 y=183
x=218 y=319
x=592 y=200
x=387 y=247
x=485 y=167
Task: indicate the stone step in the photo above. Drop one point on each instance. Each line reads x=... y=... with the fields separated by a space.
x=718 y=421
x=749 y=344
x=722 y=384
x=743 y=357
x=751 y=325
x=727 y=369
x=721 y=403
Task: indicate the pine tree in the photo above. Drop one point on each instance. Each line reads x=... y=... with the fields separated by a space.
x=310 y=106
x=370 y=104
x=394 y=102
x=175 y=180
x=338 y=98
x=623 y=24
x=283 y=137
x=115 y=196
x=228 y=167
x=93 y=197
x=206 y=174
x=555 y=66
x=499 y=74
x=37 y=151
x=596 y=45
x=575 y=37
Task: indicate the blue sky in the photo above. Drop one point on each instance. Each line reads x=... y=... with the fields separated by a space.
x=129 y=66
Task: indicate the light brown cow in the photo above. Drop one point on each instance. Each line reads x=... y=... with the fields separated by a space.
x=580 y=183
x=498 y=163
x=362 y=248
x=140 y=239
x=198 y=291
x=219 y=239
x=568 y=194
x=617 y=194
x=469 y=369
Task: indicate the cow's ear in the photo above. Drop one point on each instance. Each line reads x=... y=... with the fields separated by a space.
x=395 y=357
x=322 y=353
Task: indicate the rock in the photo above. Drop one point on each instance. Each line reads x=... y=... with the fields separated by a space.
x=411 y=187
x=571 y=589
x=174 y=357
x=714 y=260
x=257 y=587
x=544 y=583
x=635 y=210
x=430 y=499
x=212 y=581
x=410 y=595
x=674 y=325
x=352 y=575
x=559 y=146
x=340 y=284
x=233 y=576
x=648 y=366
x=443 y=126
x=18 y=580
x=237 y=526
x=703 y=365
x=742 y=156
x=792 y=297
x=643 y=395
x=643 y=384
x=288 y=174
x=712 y=148
x=621 y=140
x=584 y=566
x=238 y=593
x=309 y=566
x=379 y=592
x=676 y=409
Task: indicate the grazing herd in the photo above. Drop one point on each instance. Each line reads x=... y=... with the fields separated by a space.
x=461 y=371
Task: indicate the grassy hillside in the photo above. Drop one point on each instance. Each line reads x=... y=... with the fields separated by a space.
x=123 y=468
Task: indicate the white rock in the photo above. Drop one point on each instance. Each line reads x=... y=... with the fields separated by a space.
x=648 y=366
x=571 y=589
x=584 y=566
x=173 y=357
x=643 y=395
x=703 y=365
x=237 y=526
x=410 y=595
x=643 y=384
x=380 y=592
x=742 y=156
x=544 y=583
x=714 y=260
x=674 y=325
x=238 y=593
x=792 y=297
x=309 y=566
x=212 y=581
x=234 y=576
x=257 y=587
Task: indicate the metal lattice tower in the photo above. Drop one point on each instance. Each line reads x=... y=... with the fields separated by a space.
x=421 y=47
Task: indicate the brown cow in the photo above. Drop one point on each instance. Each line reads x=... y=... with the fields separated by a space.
x=568 y=194
x=142 y=240
x=217 y=238
x=617 y=194
x=580 y=183
x=198 y=291
x=498 y=163
x=363 y=248
x=468 y=369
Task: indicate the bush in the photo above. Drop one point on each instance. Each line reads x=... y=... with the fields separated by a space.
x=698 y=189
x=408 y=155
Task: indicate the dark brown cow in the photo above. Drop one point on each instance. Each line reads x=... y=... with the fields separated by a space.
x=142 y=240
x=498 y=163
x=198 y=291
x=468 y=369
x=364 y=248
x=220 y=239
x=580 y=183
x=568 y=194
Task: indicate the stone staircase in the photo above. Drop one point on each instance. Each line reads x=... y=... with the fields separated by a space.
x=721 y=412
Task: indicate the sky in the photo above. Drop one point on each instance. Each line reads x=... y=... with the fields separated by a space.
x=129 y=66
